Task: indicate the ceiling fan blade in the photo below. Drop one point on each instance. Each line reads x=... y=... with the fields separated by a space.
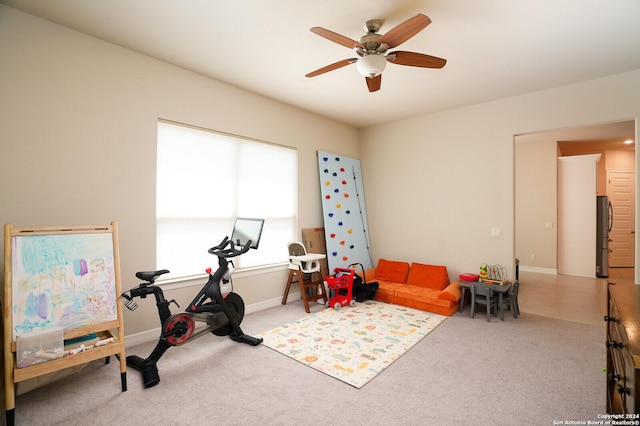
x=374 y=83
x=415 y=60
x=334 y=66
x=335 y=37
x=405 y=31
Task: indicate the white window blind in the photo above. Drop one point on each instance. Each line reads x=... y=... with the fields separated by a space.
x=205 y=180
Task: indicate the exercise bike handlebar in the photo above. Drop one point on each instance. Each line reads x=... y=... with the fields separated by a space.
x=226 y=249
x=221 y=251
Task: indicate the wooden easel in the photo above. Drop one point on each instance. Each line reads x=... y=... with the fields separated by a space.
x=112 y=327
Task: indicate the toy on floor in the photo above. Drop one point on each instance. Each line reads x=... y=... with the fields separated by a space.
x=361 y=289
x=342 y=285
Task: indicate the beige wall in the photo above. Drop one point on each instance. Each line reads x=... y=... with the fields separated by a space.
x=437 y=184
x=619 y=160
x=536 y=205
x=78 y=141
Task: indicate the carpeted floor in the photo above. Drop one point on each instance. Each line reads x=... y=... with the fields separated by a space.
x=527 y=371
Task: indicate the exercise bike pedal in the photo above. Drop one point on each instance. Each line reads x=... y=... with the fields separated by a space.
x=245 y=338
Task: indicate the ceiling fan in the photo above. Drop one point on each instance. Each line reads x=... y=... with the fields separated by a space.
x=372 y=50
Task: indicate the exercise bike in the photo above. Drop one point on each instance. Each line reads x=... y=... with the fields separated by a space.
x=222 y=314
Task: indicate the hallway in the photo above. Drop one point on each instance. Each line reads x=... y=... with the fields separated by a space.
x=570 y=298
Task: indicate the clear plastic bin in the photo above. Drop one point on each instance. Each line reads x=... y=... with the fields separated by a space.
x=38 y=347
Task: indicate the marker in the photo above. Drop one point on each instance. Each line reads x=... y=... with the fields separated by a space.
x=105 y=342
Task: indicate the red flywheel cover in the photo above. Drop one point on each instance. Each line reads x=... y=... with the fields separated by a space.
x=179 y=322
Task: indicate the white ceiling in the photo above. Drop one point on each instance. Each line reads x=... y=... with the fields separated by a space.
x=494 y=48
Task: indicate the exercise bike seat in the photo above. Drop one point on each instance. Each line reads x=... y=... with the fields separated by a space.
x=150 y=276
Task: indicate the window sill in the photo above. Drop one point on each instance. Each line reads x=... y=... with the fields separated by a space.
x=190 y=281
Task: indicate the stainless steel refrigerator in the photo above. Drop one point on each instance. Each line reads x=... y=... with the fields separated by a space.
x=603 y=228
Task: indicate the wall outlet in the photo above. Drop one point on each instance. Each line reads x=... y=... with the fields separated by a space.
x=548 y=225
x=533 y=256
x=496 y=232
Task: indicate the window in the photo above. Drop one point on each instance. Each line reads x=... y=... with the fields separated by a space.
x=205 y=180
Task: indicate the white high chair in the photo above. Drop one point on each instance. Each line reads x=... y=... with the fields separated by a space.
x=303 y=266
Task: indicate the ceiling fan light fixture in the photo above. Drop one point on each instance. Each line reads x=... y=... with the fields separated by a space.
x=371 y=65
x=373 y=50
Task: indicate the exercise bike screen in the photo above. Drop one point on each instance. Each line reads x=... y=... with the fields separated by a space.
x=247 y=230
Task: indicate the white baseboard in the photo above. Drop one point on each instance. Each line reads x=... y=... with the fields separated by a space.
x=538 y=270
x=142 y=337
x=152 y=335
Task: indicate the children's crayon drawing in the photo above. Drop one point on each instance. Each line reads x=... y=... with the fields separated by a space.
x=63 y=281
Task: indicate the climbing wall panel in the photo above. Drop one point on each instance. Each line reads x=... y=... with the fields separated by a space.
x=344 y=211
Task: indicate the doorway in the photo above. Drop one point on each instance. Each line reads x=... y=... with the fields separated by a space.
x=535 y=154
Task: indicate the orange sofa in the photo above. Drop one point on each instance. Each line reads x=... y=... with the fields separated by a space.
x=419 y=286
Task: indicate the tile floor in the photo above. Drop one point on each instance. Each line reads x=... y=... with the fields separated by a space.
x=570 y=298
